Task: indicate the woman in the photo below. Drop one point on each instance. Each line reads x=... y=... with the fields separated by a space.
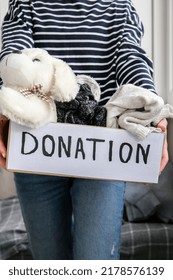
x=98 y=38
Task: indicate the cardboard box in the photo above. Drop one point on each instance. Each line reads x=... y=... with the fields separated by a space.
x=84 y=151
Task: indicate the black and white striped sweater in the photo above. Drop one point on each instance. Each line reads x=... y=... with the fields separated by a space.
x=100 y=38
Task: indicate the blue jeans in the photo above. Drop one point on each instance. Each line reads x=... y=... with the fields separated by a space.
x=92 y=232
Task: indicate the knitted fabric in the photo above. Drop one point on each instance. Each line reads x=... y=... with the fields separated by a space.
x=84 y=109
x=137 y=110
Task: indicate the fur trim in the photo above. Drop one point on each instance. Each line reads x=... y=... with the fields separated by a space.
x=21 y=112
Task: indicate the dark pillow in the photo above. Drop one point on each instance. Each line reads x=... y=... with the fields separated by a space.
x=145 y=200
x=13 y=236
x=146 y=241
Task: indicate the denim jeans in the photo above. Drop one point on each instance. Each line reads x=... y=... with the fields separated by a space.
x=71 y=218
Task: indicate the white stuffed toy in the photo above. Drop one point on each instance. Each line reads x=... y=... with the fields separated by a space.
x=32 y=81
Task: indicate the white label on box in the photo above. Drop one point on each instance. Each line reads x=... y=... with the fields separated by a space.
x=84 y=151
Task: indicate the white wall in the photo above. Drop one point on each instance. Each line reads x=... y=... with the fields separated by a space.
x=3 y=8
x=144 y=9
x=157 y=16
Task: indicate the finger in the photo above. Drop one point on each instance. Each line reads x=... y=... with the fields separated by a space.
x=163 y=163
x=165 y=156
x=162 y=125
x=3 y=154
x=3 y=150
x=2 y=162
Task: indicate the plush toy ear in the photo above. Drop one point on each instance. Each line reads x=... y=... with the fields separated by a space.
x=65 y=86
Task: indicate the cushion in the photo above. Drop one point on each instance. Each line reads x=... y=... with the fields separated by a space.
x=13 y=236
x=145 y=200
x=146 y=241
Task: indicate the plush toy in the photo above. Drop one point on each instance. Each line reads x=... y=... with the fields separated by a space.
x=38 y=89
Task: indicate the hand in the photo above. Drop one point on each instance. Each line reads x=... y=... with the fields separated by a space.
x=163 y=126
x=3 y=150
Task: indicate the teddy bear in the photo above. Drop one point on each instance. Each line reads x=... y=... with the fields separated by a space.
x=39 y=88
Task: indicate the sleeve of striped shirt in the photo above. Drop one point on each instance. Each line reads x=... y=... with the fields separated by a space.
x=133 y=64
x=16 y=29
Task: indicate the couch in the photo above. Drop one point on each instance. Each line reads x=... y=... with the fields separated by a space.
x=147 y=229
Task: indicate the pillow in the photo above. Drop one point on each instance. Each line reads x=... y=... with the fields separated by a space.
x=145 y=200
x=146 y=241
x=13 y=236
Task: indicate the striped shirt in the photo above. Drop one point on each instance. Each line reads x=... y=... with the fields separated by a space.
x=100 y=38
